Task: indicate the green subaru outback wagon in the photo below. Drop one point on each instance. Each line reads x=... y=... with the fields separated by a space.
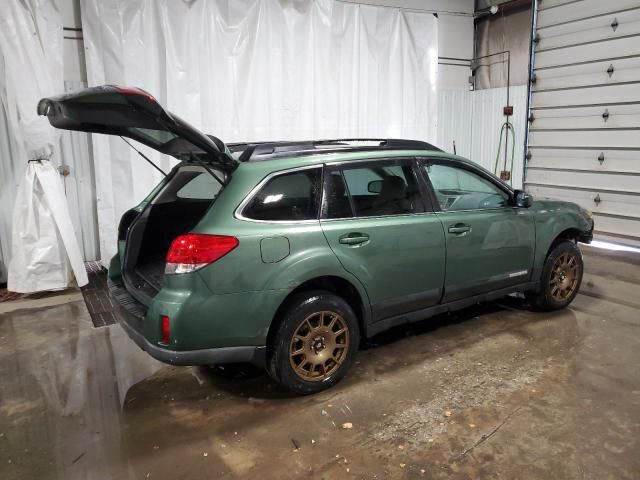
x=288 y=254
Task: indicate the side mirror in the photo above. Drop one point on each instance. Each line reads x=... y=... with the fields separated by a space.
x=523 y=199
x=375 y=186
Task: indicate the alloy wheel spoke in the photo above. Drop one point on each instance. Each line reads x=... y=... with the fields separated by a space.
x=316 y=334
x=311 y=327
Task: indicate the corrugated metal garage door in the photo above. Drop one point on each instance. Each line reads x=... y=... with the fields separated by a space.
x=584 y=130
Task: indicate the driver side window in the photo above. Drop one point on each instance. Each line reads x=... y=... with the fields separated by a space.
x=460 y=189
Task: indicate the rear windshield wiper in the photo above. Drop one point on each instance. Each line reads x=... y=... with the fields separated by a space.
x=143 y=156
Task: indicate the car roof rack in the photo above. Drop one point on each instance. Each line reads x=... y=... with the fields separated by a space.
x=254 y=151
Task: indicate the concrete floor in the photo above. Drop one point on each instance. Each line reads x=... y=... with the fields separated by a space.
x=493 y=392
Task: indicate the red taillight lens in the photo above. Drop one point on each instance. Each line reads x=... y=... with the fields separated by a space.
x=193 y=251
x=165 y=329
x=135 y=91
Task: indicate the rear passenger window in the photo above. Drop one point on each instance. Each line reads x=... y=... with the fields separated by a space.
x=373 y=191
x=287 y=197
x=337 y=204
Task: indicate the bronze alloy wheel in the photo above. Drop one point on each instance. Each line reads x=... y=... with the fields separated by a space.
x=564 y=276
x=319 y=346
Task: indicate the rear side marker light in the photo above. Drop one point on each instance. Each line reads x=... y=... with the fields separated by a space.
x=193 y=251
x=165 y=329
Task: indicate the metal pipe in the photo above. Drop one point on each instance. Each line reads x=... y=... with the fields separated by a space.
x=508 y=7
x=506 y=140
x=534 y=21
x=508 y=54
x=409 y=9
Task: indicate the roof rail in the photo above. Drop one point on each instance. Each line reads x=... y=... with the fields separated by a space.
x=251 y=150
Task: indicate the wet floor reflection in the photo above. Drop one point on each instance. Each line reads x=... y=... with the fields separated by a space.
x=86 y=403
x=63 y=385
x=78 y=402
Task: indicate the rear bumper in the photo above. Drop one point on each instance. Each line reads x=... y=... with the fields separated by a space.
x=131 y=319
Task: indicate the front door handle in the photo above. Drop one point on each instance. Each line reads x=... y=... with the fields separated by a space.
x=459 y=229
x=354 y=238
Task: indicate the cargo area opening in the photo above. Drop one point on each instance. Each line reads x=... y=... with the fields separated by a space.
x=176 y=209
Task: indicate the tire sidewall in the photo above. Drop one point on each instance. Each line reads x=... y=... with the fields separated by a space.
x=299 y=308
x=546 y=301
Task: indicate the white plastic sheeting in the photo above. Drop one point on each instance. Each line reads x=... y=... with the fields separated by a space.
x=43 y=241
x=257 y=70
x=473 y=120
x=42 y=235
x=73 y=151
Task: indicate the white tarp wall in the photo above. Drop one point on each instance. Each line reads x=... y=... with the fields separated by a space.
x=44 y=249
x=257 y=70
x=72 y=150
x=473 y=119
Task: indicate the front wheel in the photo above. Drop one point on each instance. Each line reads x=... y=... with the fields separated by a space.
x=314 y=344
x=560 y=279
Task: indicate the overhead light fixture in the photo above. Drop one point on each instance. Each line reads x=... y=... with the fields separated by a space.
x=493 y=9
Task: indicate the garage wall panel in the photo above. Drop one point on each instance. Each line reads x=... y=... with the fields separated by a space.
x=609 y=203
x=584 y=129
x=580 y=10
x=591 y=160
x=474 y=118
x=595 y=95
x=588 y=52
x=590 y=30
x=588 y=74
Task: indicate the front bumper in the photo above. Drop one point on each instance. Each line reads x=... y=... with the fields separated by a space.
x=587 y=237
x=131 y=318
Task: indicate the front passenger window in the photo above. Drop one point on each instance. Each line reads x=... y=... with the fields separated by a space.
x=460 y=189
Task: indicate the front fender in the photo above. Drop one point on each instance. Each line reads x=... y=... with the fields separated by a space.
x=552 y=219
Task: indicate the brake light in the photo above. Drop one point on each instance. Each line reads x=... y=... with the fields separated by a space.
x=135 y=91
x=165 y=329
x=193 y=251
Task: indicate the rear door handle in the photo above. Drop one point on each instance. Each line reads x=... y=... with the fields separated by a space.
x=459 y=229
x=354 y=238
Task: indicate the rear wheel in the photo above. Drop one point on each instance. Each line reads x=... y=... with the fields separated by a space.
x=314 y=344
x=560 y=279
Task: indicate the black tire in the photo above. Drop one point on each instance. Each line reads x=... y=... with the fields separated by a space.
x=323 y=315
x=559 y=283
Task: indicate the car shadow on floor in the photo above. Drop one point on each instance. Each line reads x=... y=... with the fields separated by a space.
x=246 y=380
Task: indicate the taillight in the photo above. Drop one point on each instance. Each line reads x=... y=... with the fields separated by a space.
x=193 y=251
x=135 y=91
x=165 y=329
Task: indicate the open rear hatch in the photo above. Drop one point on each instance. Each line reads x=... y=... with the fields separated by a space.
x=133 y=113
x=188 y=192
